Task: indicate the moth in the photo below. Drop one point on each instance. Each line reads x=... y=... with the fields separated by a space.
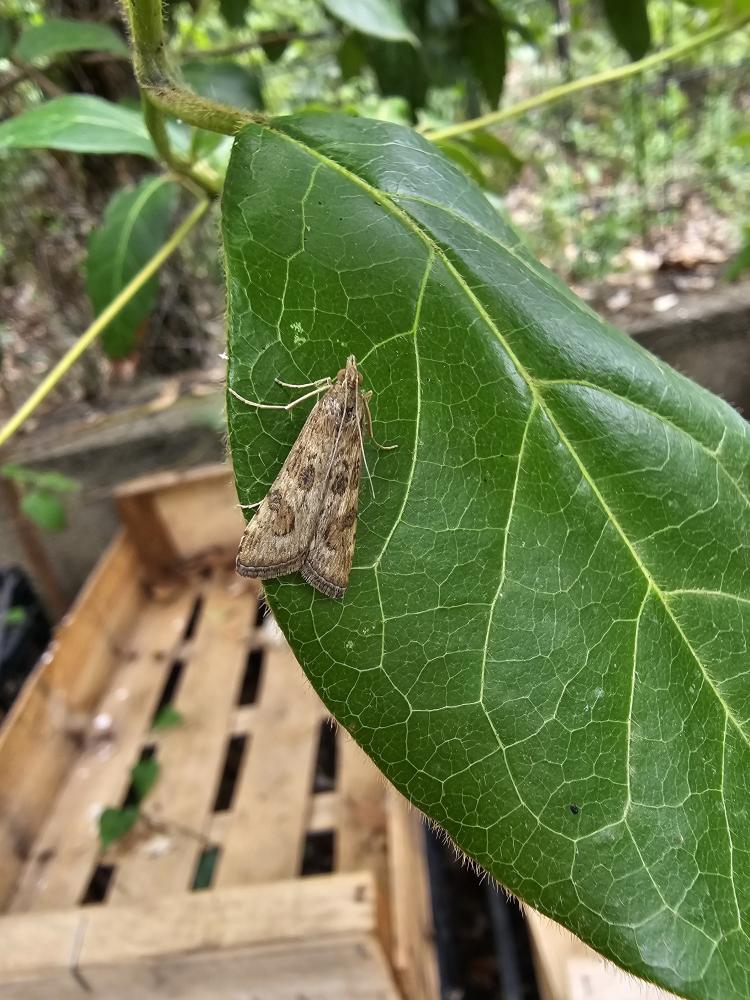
x=308 y=519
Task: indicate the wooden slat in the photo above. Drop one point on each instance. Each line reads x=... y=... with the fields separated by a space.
x=351 y=967
x=191 y=755
x=412 y=940
x=36 y=954
x=66 y=850
x=201 y=944
x=271 y=810
x=198 y=508
x=149 y=534
x=41 y=735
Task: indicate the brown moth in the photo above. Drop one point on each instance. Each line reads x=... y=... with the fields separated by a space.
x=308 y=519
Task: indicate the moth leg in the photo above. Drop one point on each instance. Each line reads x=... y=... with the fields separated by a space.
x=278 y=406
x=327 y=381
x=366 y=396
x=250 y=506
x=361 y=439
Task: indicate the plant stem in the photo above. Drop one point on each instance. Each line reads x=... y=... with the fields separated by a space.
x=89 y=336
x=157 y=85
x=206 y=179
x=257 y=43
x=595 y=80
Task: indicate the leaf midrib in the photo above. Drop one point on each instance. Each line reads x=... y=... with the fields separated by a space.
x=410 y=224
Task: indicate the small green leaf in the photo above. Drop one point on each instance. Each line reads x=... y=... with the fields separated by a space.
x=56 y=482
x=628 y=22
x=167 y=718
x=484 y=42
x=503 y=167
x=45 y=509
x=15 y=616
x=58 y=36
x=224 y=81
x=351 y=56
x=115 y=823
x=379 y=18
x=135 y=225
x=274 y=48
x=741 y=260
x=6 y=37
x=79 y=123
x=144 y=776
x=234 y=12
x=459 y=153
x=399 y=69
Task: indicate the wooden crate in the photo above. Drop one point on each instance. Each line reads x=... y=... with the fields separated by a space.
x=235 y=796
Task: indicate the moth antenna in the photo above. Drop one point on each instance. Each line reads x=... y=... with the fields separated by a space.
x=277 y=406
x=362 y=442
x=327 y=382
x=383 y=447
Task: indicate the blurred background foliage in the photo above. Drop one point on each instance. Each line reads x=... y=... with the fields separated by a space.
x=633 y=192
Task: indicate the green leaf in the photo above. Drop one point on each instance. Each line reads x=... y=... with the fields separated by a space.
x=351 y=56
x=79 y=123
x=58 y=36
x=135 y=225
x=226 y=82
x=629 y=24
x=273 y=46
x=144 y=776
x=504 y=166
x=458 y=152
x=45 y=509
x=234 y=12
x=55 y=482
x=115 y=823
x=544 y=641
x=15 y=616
x=167 y=718
x=6 y=37
x=484 y=42
x=399 y=70
x=741 y=260
x=379 y=18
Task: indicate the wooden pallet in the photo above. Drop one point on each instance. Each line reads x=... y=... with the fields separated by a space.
x=256 y=871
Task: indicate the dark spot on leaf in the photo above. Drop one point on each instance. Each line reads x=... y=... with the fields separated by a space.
x=574 y=808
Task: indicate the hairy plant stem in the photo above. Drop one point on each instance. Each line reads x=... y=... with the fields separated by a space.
x=586 y=82
x=157 y=85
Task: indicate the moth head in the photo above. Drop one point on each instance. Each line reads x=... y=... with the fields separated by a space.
x=350 y=373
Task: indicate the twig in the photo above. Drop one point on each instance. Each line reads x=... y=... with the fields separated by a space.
x=257 y=43
x=587 y=82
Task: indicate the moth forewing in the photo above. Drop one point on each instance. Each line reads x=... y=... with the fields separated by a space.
x=329 y=558
x=308 y=520
x=276 y=540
